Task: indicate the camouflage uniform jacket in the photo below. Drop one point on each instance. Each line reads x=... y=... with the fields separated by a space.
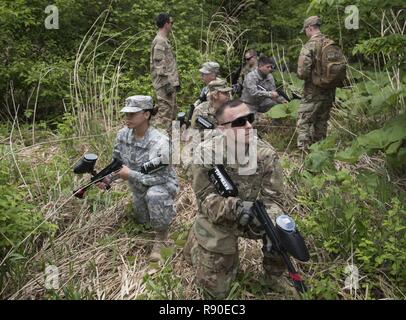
x=134 y=153
x=252 y=94
x=163 y=63
x=206 y=110
x=216 y=227
x=244 y=71
x=307 y=59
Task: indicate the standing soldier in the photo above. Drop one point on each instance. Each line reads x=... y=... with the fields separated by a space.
x=153 y=193
x=165 y=78
x=212 y=245
x=319 y=83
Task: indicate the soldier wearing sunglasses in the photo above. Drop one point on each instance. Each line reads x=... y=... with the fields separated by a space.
x=212 y=245
x=250 y=63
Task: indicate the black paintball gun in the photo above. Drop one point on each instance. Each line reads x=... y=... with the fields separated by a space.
x=88 y=162
x=282 y=93
x=185 y=119
x=284 y=238
x=86 y=165
x=204 y=123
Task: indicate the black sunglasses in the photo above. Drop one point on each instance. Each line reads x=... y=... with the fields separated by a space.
x=240 y=122
x=248 y=59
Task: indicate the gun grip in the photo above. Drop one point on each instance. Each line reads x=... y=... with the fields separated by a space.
x=79 y=193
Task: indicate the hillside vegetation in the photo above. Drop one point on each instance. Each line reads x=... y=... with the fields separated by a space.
x=61 y=92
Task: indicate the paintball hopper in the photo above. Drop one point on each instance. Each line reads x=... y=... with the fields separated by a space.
x=86 y=164
x=203 y=123
x=181 y=117
x=152 y=165
x=222 y=181
x=291 y=239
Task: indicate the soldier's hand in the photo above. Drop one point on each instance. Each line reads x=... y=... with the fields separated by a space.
x=274 y=94
x=169 y=89
x=245 y=215
x=124 y=173
x=102 y=185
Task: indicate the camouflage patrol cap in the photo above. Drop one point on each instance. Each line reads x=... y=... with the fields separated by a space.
x=138 y=103
x=210 y=67
x=311 y=21
x=219 y=85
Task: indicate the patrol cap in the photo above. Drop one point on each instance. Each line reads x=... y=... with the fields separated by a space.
x=138 y=103
x=311 y=21
x=218 y=85
x=210 y=67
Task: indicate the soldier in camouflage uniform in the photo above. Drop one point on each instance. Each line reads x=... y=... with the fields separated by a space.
x=165 y=78
x=212 y=245
x=153 y=193
x=251 y=63
x=218 y=93
x=209 y=72
x=259 y=87
x=314 y=110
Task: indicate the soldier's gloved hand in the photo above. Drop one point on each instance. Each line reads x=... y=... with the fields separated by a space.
x=246 y=216
x=169 y=89
x=244 y=213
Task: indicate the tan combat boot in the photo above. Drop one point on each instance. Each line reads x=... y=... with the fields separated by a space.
x=159 y=240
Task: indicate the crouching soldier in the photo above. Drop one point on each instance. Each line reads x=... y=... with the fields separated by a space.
x=212 y=245
x=154 y=191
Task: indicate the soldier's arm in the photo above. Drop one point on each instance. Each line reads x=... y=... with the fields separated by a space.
x=159 y=60
x=148 y=180
x=159 y=149
x=117 y=149
x=197 y=112
x=272 y=185
x=305 y=63
x=214 y=207
x=251 y=85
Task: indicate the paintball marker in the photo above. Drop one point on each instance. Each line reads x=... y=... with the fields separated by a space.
x=282 y=93
x=86 y=165
x=183 y=119
x=284 y=238
x=204 y=123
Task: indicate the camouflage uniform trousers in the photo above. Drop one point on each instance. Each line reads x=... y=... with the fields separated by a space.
x=155 y=205
x=215 y=272
x=266 y=105
x=313 y=115
x=167 y=109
